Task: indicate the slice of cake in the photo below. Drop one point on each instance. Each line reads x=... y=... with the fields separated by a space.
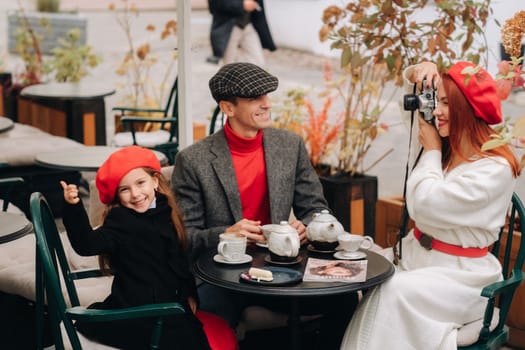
x=260 y=274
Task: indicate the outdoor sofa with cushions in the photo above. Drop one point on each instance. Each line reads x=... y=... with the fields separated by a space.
x=19 y=147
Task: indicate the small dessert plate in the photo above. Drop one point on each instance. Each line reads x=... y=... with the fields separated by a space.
x=262 y=245
x=350 y=256
x=220 y=259
x=282 y=276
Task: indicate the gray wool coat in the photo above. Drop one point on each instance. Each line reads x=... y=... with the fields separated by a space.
x=206 y=188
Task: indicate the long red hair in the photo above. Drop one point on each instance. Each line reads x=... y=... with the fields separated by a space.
x=464 y=126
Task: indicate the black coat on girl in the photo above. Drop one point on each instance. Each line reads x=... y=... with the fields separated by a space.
x=149 y=266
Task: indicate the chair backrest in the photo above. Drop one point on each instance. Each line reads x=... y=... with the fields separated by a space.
x=173 y=96
x=215 y=118
x=51 y=267
x=510 y=249
x=7 y=187
x=167 y=122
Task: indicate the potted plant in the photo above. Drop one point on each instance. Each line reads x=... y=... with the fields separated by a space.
x=47 y=22
x=377 y=40
x=511 y=77
x=138 y=63
x=69 y=61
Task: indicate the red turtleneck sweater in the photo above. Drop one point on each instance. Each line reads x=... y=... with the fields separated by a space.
x=250 y=170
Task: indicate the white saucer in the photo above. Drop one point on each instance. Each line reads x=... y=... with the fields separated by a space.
x=350 y=256
x=246 y=259
x=262 y=245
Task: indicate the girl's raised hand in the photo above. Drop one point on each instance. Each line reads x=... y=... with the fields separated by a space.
x=70 y=193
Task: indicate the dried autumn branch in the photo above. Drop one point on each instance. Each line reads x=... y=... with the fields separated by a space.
x=509 y=77
x=377 y=40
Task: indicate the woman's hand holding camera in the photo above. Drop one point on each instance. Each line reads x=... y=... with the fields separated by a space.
x=428 y=136
x=424 y=70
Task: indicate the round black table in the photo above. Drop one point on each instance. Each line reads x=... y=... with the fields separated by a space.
x=6 y=124
x=88 y=158
x=83 y=104
x=226 y=276
x=13 y=226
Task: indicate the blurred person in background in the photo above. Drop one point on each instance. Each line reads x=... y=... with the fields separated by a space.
x=239 y=31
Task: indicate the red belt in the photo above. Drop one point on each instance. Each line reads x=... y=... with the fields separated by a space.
x=429 y=242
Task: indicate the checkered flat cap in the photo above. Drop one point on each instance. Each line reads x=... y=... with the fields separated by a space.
x=241 y=79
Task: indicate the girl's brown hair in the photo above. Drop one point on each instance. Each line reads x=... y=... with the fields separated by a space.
x=176 y=216
x=466 y=127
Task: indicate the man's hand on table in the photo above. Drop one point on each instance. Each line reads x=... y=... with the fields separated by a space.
x=250 y=228
x=253 y=231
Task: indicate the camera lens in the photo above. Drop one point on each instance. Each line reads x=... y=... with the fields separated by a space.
x=410 y=102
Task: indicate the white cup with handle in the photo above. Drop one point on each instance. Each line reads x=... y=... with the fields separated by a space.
x=232 y=246
x=349 y=243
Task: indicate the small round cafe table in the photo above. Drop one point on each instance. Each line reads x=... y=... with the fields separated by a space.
x=226 y=276
x=13 y=226
x=87 y=158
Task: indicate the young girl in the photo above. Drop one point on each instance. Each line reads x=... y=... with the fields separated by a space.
x=142 y=241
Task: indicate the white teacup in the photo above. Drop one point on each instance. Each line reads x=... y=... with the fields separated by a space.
x=350 y=243
x=232 y=246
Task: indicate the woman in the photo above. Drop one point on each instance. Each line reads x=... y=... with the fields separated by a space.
x=143 y=241
x=458 y=195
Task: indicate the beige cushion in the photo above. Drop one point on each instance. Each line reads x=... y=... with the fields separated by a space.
x=86 y=343
x=17 y=271
x=11 y=208
x=469 y=333
x=144 y=138
x=21 y=144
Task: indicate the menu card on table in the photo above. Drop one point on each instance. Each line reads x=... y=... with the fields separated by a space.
x=321 y=270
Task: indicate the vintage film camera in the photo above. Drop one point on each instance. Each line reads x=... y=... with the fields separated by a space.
x=425 y=101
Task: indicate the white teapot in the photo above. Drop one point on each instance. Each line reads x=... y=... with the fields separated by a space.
x=283 y=242
x=324 y=227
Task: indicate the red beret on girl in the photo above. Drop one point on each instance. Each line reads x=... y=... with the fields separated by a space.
x=118 y=164
x=480 y=91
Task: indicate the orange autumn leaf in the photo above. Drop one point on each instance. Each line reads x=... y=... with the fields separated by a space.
x=319 y=134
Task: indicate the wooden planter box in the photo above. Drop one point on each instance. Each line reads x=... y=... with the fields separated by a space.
x=516 y=316
x=389 y=213
x=59 y=25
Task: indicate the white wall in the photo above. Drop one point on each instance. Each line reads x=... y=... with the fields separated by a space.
x=296 y=24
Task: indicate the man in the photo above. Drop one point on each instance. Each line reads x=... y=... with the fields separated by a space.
x=247 y=174
x=239 y=31
x=244 y=176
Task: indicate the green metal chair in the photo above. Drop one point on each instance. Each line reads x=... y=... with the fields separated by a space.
x=214 y=122
x=52 y=268
x=7 y=186
x=500 y=294
x=164 y=138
